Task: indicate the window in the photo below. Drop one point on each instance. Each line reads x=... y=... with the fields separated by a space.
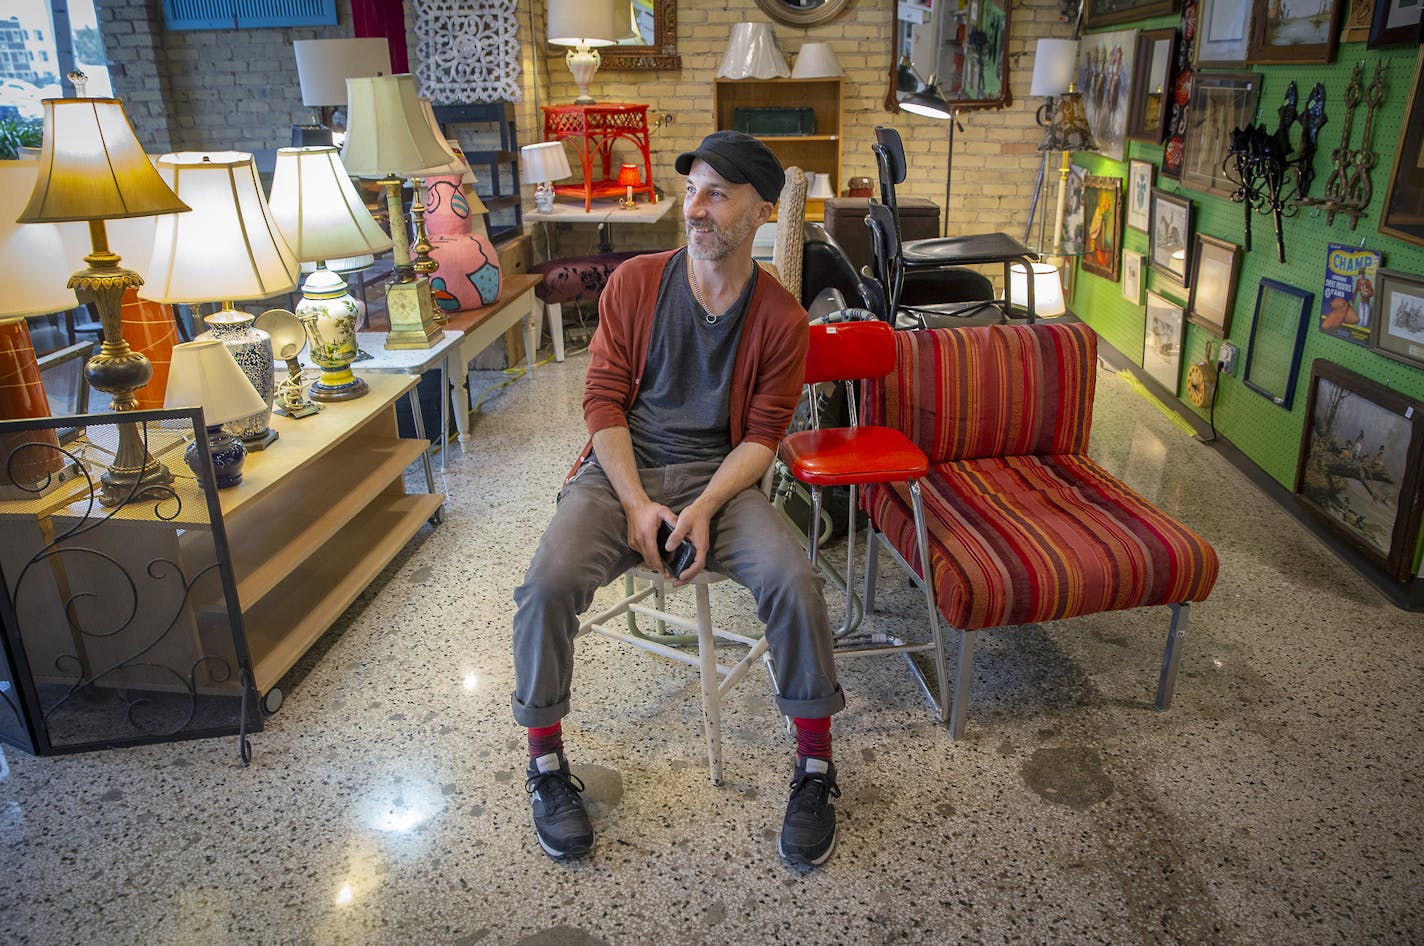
x=40 y=40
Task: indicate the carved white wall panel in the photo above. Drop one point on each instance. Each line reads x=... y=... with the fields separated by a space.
x=467 y=51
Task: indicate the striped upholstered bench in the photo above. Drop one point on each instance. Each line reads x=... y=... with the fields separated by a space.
x=1023 y=526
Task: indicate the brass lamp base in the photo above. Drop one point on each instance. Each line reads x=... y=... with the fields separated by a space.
x=411 y=306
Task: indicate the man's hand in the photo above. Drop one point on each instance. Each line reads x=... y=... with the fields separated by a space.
x=694 y=522
x=643 y=522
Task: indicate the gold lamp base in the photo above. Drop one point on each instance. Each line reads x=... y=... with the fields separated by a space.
x=411 y=306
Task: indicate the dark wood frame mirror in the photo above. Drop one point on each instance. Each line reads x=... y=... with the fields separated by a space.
x=661 y=54
x=1152 y=86
x=994 y=21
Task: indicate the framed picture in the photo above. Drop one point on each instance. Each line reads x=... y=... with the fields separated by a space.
x=1403 y=213
x=1395 y=23
x=1169 y=234
x=1347 y=296
x=1398 y=327
x=1152 y=86
x=1358 y=16
x=1359 y=466
x=1102 y=214
x=1223 y=33
x=1107 y=12
x=1139 y=192
x=1220 y=102
x=1071 y=238
x=1105 y=73
x=1295 y=32
x=1216 y=266
x=1162 y=341
x=1132 y=276
x=1277 y=339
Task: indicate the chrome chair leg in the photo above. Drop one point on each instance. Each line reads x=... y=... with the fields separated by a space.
x=872 y=567
x=1176 y=637
x=927 y=583
x=964 y=673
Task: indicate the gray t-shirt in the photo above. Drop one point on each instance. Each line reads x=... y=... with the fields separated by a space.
x=683 y=410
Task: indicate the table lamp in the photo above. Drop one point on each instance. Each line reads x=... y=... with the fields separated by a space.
x=420 y=247
x=323 y=219
x=628 y=177
x=583 y=25
x=545 y=163
x=323 y=66
x=1068 y=130
x=289 y=337
x=1047 y=289
x=204 y=374
x=92 y=168
x=33 y=272
x=227 y=250
x=388 y=138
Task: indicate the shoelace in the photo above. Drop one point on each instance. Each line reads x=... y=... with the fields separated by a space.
x=823 y=789
x=559 y=789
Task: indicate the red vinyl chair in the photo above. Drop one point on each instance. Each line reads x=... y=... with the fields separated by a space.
x=858 y=455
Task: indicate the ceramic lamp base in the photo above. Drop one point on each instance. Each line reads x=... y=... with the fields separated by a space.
x=338 y=386
x=226 y=452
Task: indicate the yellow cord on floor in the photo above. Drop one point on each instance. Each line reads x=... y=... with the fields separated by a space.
x=1141 y=389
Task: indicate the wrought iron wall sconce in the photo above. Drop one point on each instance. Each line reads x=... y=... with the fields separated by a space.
x=1257 y=164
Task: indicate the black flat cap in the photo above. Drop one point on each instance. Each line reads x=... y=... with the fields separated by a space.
x=740 y=159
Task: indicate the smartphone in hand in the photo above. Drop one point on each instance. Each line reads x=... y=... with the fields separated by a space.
x=679 y=559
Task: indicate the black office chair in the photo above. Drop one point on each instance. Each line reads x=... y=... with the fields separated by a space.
x=942 y=252
x=941 y=298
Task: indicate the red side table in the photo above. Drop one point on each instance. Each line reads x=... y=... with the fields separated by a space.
x=595 y=128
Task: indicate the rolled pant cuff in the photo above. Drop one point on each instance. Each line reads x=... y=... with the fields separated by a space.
x=812 y=709
x=531 y=716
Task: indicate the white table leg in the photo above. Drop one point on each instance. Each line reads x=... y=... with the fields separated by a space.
x=460 y=386
x=554 y=312
x=531 y=332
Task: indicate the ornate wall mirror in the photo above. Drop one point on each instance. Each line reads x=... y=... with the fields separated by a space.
x=964 y=51
x=803 y=12
x=651 y=38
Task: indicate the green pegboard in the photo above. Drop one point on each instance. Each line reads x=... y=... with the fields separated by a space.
x=1266 y=433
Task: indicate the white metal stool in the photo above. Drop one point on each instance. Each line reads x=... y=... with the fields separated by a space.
x=640 y=584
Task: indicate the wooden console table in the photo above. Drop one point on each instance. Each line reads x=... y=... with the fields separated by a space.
x=595 y=128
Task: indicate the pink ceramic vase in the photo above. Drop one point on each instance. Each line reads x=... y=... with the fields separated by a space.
x=468 y=275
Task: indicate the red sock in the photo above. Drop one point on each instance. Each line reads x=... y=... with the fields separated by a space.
x=545 y=739
x=813 y=738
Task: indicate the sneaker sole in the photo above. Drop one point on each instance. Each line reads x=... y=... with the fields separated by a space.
x=805 y=862
x=564 y=855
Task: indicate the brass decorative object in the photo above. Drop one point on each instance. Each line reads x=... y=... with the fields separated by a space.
x=1347 y=188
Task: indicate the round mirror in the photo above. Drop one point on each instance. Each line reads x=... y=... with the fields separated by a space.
x=803 y=12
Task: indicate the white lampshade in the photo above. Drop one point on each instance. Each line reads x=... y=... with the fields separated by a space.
x=1047 y=290
x=204 y=374
x=324 y=65
x=33 y=262
x=1054 y=63
x=457 y=163
x=317 y=209
x=816 y=61
x=545 y=162
x=344 y=265
x=583 y=22
x=752 y=54
x=229 y=247
x=386 y=131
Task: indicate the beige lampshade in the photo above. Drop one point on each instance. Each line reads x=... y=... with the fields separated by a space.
x=33 y=267
x=92 y=167
x=204 y=374
x=545 y=161
x=1055 y=62
x=386 y=131
x=816 y=61
x=1047 y=289
x=456 y=164
x=317 y=208
x=229 y=247
x=583 y=22
x=324 y=65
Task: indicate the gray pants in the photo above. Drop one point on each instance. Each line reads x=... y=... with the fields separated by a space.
x=586 y=547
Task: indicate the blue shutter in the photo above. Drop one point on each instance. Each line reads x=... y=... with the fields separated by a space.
x=247 y=14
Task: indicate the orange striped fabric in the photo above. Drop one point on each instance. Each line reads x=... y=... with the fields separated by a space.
x=1037 y=533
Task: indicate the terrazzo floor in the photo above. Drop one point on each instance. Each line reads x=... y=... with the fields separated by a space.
x=1276 y=802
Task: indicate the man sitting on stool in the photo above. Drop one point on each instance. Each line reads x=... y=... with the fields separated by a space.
x=693 y=376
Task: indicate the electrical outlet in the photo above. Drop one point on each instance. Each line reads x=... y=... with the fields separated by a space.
x=1228 y=357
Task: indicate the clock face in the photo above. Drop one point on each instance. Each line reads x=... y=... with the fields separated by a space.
x=1198 y=385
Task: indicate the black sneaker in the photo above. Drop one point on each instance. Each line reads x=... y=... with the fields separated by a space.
x=808 y=835
x=559 y=819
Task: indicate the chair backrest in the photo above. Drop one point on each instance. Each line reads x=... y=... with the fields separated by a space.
x=886 y=254
x=990 y=390
x=788 y=250
x=890 y=167
x=843 y=351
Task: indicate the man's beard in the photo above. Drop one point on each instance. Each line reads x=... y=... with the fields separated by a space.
x=724 y=239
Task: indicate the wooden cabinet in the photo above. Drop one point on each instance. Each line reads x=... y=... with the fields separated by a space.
x=819 y=152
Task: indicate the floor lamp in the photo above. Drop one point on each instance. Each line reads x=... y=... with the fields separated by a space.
x=929 y=102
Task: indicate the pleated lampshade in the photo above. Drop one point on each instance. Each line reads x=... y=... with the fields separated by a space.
x=386 y=130
x=317 y=209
